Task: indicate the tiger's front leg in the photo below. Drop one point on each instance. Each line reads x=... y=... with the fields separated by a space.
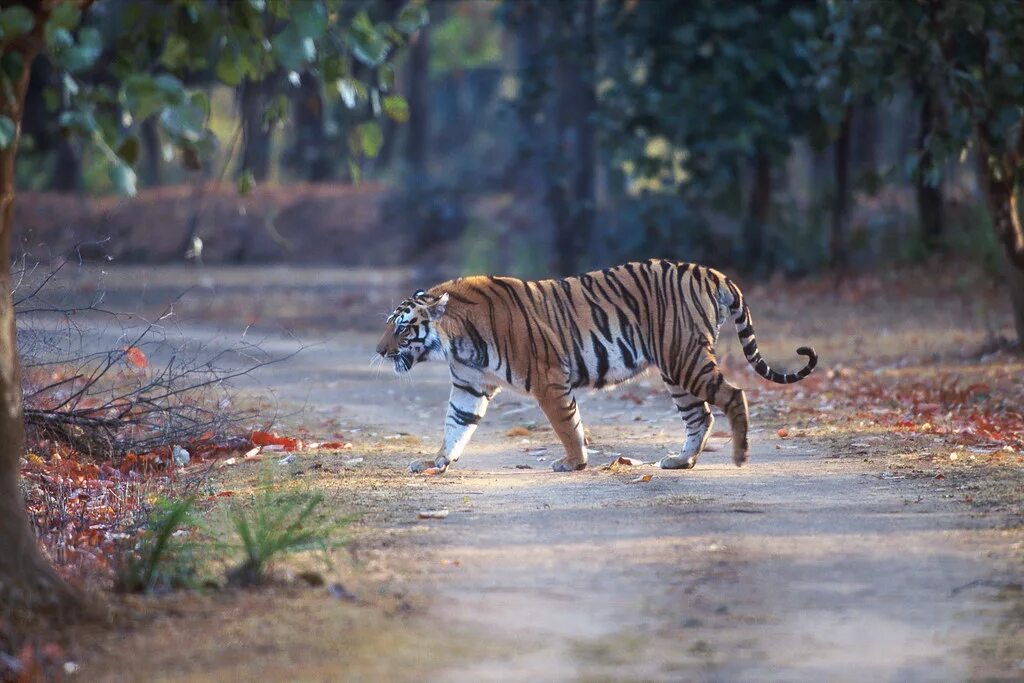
x=467 y=405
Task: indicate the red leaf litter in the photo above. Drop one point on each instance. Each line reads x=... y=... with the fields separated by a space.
x=85 y=510
x=267 y=439
x=136 y=357
x=975 y=414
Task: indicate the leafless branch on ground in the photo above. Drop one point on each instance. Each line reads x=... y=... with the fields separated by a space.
x=108 y=383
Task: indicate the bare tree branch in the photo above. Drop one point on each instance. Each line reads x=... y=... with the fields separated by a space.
x=127 y=384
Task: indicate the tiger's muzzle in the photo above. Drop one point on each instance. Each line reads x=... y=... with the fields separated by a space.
x=402 y=360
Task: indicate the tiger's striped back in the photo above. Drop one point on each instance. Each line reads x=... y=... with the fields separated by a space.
x=601 y=327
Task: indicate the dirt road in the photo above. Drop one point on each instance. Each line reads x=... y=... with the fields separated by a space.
x=803 y=565
x=813 y=562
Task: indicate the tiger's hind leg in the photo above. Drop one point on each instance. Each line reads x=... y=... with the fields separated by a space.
x=707 y=383
x=559 y=406
x=697 y=417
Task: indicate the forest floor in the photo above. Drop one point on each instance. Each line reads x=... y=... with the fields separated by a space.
x=875 y=533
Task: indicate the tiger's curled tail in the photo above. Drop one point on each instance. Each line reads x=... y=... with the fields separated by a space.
x=740 y=313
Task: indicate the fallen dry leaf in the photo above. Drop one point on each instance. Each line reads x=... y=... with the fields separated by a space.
x=267 y=440
x=431 y=471
x=620 y=462
x=136 y=357
x=518 y=431
x=642 y=479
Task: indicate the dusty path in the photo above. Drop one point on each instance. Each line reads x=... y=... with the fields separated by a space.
x=808 y=564
x=804 y=565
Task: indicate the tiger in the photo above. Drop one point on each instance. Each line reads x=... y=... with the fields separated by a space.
x=549 y=338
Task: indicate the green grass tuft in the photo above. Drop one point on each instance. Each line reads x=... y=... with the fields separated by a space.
x=279 y=522
x=158 y=560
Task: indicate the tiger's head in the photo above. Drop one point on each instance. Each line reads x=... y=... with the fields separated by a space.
x=411 y=334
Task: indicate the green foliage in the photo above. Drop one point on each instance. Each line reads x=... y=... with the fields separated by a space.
x=159 y=560
x=689 y=95
x=371 y=139
x=464 y=41
x=151 y=52
x=369 y=45
x=279 y=521
x=15 y=21
x=412 y=18
x=185 y=122
x=970 y=52
x=720 y=82
x=246 y=183
x=122 y=177
x=396 y=108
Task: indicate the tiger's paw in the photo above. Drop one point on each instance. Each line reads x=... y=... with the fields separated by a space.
x=739 y=453
x=677 y=462
x=566 y=465
x=428 y=465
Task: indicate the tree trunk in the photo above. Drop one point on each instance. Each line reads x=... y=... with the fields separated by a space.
x=840 y=202
x=585 y=201
x=929 y=197
x=67 y=168
x=66 y=172
x=255 y=137
x=421 y=200
x=418 y=139
x=1015 y=283
x=152 y=157
x=525 y=173
x=27 y=579
x=571 y=193
x=311 y=154
x=559 y=194
x=864 y=136
x=758 y=210
x=1001 y=191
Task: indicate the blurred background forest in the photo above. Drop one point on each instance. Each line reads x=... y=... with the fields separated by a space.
x=535 y=138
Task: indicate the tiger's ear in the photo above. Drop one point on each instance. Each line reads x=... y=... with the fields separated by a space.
x=438 y=307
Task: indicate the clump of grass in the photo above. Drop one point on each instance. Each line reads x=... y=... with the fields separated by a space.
x=279 y=522
x=159 y=561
